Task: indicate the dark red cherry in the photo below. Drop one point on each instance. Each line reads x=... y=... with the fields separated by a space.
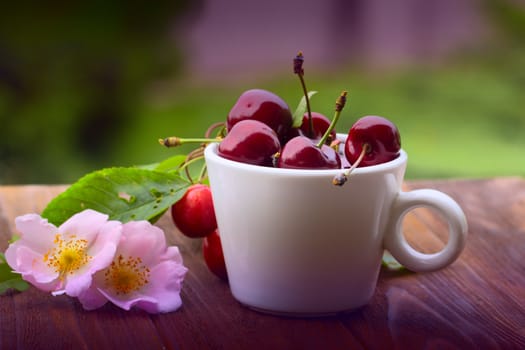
x=194 y=214
x=264 y=106
x=250 y=141
x=213 y=255
x=381 y=136
x=302 y=153
x=320 y=125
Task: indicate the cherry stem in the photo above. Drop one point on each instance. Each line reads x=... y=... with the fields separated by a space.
x=186 y=168
x=202 y=173
x=191 y=158
x=339 y=105
x=218 y=125
x=341 y=179
x=177 y=141
x=298 y=69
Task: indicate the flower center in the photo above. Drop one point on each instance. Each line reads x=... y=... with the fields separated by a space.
x=126 y=275
x=67 y=256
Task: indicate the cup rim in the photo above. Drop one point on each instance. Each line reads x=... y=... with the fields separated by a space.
x=211 y=153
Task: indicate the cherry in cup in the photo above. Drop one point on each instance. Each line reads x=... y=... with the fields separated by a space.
x=377 y=137
x=301 y=152
x=250 y=141
x=194 y=214
x=264 y=106
x=320 y=124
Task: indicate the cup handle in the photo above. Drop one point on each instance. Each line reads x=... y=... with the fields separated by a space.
x=394 y=240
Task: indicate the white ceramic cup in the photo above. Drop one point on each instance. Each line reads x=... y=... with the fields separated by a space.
x=296 y=244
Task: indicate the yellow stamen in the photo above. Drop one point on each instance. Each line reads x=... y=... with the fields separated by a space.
x=67 y=256
x=126 y=275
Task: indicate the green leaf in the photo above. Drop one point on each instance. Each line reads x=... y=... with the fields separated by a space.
x=9 y=279
x=390 y=262
x=301 y=110
x=172 y=163
x=13 y=239
x=167 y=165
x=151 y=166
x=124 y=194
x=190 y=170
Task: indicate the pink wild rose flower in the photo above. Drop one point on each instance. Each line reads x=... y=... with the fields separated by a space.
x=145 y=273
x=64 y=259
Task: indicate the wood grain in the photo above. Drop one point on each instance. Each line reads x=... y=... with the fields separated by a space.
x=476 y=303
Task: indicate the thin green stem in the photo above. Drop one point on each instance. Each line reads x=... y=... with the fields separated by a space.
x=219 y=125
x=177 y=141
x=308 y=108
x=202 y=173
x=339 y=105
x=186 y=164
x=298 y=69
x=341 y=179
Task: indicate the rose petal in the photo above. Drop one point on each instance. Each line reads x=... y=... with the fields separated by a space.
x=172 y=253
x=126 y=301
x=166 y=283
x=32 y=253
x=162 y=293
x=31 y=266
x=144 y=240
x=36 y=233
x=85 y=225
x=105 y=246
x=92 y=299
x=102 y=252
x=166 y=272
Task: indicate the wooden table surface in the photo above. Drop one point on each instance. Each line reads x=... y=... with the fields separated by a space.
x=476 y=303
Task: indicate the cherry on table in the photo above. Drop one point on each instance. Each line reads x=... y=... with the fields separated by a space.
x=301 y=152
x=379 y=135
x=250 y=141
x=213 y=255
x=264 y=106
x=194 y=214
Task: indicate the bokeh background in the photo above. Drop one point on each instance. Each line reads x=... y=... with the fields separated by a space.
x=95 y=84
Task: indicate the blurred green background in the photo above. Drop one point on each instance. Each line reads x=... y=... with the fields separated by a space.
x=89 y=86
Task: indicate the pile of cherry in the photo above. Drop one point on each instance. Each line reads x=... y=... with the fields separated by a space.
x=260 y=132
